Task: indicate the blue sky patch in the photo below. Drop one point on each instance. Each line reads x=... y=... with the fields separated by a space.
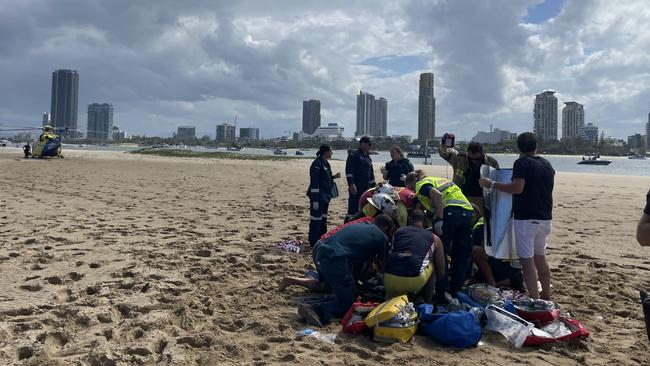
x=543 y=11
x=394 y=65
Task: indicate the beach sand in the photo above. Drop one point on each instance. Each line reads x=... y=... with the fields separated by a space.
x=111 y=258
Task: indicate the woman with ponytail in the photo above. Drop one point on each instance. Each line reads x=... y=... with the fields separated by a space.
x=321 y=183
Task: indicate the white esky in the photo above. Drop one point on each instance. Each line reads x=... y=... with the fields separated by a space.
x=168 y=63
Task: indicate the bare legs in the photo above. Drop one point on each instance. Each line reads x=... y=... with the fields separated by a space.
x=533 y=268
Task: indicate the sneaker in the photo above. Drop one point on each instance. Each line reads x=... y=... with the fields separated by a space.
x=309 y=315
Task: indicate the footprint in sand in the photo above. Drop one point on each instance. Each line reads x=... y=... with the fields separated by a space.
x=75 y=276
x=31 y=287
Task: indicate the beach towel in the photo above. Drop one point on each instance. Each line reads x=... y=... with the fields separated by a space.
x=499 y=233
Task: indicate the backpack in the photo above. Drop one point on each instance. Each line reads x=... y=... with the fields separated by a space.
x=393 y=321
x=459 y=329
x=353 y=321
x=560 y=330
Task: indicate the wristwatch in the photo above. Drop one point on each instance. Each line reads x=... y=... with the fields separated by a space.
x=492 y=184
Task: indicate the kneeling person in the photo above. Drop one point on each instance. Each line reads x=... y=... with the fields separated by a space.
x=336 y=258
x=493 y=271
x=415 y=255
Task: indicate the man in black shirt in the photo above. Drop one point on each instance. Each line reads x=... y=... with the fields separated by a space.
x=532 y=205
x=359 y=174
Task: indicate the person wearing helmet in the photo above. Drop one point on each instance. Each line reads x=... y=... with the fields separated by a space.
x=453 y=213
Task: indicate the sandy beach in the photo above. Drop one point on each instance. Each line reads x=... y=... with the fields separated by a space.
x=110 y=258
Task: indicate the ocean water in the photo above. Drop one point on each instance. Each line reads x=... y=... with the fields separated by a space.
x=561 y=163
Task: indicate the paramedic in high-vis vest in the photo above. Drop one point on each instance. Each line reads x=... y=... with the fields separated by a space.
x=453 y=224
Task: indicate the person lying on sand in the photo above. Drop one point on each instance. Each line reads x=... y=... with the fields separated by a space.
x=317 y=284
x=336 y=258
x=495 y=272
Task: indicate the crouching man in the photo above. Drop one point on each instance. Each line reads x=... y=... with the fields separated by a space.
x=336 y=259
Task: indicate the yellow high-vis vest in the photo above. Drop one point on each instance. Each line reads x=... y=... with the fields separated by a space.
x=451 y=193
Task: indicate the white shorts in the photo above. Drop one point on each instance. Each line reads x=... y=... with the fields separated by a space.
x=530 y=237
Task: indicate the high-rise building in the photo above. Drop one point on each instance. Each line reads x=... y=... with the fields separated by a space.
x=65 y=95
x=46 y=119
x=589 y=133
x=248 y=134
x=226 y=133
x=379 y=123
x=426 y=108
x=186 y=134
x=100 y=121
x=372 y=116
x=573 y=119
x=310 y=116
x=545 y=116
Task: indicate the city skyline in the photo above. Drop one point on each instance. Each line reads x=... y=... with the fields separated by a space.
x=271 y=57
x=100 y=121
x=372 y=116
x=311 y=118
x=64 y=101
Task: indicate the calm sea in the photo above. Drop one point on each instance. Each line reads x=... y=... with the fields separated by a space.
x=561 y=163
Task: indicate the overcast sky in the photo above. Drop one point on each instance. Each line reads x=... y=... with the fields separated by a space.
x=165 y=63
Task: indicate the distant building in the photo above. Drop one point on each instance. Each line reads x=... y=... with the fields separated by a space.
x=545 y=116
x=407 y=138
x=46 y=119
x=65 y=96
x=310 y=116
x=118 y=134
x=226 y=133
x=636 y=143
x=589 y=133
x=494 y=137
x=614 y=141
x=186 y=134
x=330 y=132
x=100 y=121
x=573 y=119
x=426 y=108
x=372 y=116
x=249 y=134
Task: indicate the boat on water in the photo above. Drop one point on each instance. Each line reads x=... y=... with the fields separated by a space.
x=594 y=160
x=298 y=152
x=279 y=151
x=637 y=157
x=234 y=148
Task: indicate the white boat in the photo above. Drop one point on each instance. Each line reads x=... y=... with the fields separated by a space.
x=637 y=157
x=593 y=160
x=279 y=151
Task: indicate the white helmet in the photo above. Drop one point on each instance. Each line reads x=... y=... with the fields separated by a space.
x=385 y=188
x=383 y=203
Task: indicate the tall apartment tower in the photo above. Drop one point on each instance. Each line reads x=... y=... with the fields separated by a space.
x=545 y=116
x=100 y=121
x=65 y=96
x=426 y=108
x=365 y=106
x=372 y=116
x=310 y=116
x=573 y=120
x=379 y=124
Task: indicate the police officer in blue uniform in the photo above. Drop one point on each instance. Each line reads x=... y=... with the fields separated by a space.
x=319 y=192
x=359 y=174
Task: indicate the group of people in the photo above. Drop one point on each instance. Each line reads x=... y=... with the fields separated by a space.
x=420 y=233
